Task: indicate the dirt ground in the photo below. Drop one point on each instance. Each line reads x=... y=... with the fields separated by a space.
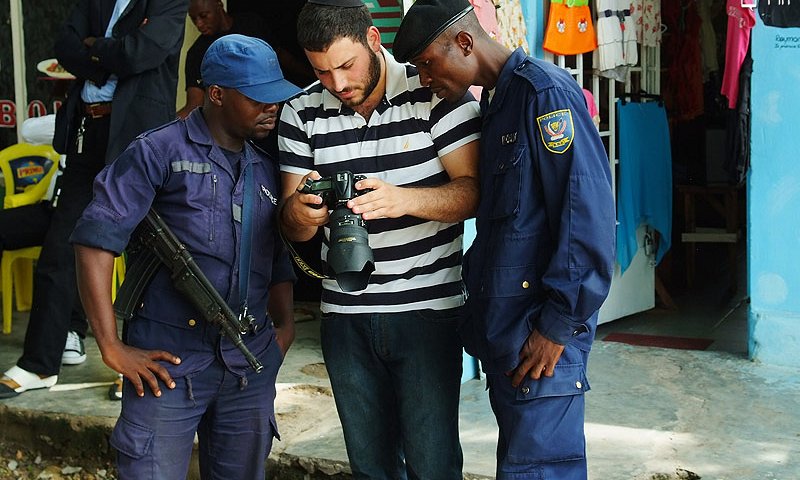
x=18 y=463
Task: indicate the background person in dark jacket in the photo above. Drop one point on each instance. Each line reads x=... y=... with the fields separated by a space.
x=211 y=19
x=125 y=55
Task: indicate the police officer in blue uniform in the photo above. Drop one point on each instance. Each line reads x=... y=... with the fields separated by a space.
x=542 y=262
x=192 y=173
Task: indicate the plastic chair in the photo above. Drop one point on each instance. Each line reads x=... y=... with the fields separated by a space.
x=27 y=172
x=118 y=275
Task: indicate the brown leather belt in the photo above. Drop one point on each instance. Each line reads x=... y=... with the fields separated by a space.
x=97 y=110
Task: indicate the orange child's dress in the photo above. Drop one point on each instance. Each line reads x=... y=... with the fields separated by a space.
x=569 y=28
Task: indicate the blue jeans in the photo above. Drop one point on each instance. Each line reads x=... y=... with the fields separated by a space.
x=234 y=420
x=396 y=381
x=541 y=422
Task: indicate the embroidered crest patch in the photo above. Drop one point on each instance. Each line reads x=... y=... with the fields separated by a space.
x=557 y=130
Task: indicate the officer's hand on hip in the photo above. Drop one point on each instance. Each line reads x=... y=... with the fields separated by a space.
x=538 y=355
x=140 y=366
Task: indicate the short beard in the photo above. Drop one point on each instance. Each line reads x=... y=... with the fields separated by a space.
x=374 y=76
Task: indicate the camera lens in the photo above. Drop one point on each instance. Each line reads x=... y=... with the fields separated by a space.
x=349 y=256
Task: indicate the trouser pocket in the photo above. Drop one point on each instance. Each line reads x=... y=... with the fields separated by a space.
x=131 y=439
x=541 y=421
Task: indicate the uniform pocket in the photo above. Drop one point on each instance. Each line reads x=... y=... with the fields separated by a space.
x=551 y=429
x=514 y=281
x=507 y=182
x=274 y=426
x=131 y=439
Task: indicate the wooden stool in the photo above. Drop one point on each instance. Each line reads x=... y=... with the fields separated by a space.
x=724 y=200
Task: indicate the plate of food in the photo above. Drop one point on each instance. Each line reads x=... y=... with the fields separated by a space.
x=51 y=68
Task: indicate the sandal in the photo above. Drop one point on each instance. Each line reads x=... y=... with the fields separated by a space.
x=24 y=380
x=115 y=390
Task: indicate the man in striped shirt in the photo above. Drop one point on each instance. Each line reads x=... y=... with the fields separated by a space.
x=391 y=350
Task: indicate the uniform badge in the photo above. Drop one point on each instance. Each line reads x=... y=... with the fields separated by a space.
x=269 y=195
x=557 y=130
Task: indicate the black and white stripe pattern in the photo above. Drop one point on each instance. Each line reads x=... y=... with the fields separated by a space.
x=417 y=262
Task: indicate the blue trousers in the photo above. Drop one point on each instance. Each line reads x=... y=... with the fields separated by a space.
x=234 y=419
x=541 y=422
x=396 y=381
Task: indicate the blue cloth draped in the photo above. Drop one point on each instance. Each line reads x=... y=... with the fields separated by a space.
x=644 y=186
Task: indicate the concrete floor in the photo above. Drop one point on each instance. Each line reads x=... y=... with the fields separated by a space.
x=651 y=413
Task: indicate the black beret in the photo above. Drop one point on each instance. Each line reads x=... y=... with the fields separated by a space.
x=425 y=21
x=339 y=3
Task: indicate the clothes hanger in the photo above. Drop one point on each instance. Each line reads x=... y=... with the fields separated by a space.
x=639 y=96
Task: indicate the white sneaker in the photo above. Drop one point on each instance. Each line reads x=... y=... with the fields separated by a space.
x=74 y=353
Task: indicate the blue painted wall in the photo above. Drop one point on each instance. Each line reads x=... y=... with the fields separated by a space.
x=774 y=197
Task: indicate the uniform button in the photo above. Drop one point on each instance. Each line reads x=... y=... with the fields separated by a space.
x=578 y=384
x=192 y=322
x=525 y=284
x=525 y=390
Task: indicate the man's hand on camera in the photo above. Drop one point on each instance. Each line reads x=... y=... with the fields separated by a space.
x=384 y=201
x=300 y=213
x=306 y=209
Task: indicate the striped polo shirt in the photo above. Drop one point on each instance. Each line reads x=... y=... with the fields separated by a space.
x=417 y=262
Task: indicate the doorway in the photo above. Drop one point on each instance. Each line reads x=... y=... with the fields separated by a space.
x=697 y=290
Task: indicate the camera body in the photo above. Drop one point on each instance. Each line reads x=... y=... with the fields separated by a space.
x=335 y=190
x=350 y=259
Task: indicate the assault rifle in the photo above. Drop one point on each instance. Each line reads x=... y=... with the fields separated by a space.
x=158 y=245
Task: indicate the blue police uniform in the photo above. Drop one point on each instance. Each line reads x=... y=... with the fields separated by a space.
x=188 y=179
x=542 y=259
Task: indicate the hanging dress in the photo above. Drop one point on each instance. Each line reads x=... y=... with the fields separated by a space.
x=569 y=28
x=616 y=39
x=510 y=19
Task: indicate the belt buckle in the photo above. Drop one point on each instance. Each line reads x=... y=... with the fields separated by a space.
x=92 y=107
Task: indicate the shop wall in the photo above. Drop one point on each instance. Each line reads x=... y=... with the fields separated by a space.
x=42 y=20
x=774 y=197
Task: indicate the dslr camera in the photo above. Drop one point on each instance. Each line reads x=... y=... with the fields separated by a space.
x=350 y=259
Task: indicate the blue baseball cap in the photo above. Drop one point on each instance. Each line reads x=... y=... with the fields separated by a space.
x=248 y=65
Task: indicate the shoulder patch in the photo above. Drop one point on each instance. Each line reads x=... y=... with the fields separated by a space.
x=557 y=130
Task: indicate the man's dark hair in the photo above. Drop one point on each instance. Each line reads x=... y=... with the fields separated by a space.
x=318 y=26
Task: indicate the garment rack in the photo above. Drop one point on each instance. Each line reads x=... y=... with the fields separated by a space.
x=639 y=96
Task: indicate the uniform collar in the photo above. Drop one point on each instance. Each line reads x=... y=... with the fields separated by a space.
x=396 y=84
x=517 y=57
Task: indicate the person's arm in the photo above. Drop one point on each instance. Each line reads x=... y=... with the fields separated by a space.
x=195 y=93
x=300 y=214
x=451 y=202
x=281 y=310
x=94 y=268
x=454 y=129
x=579 y=203
x=280 y=304
x=122 y=194
x=147 y=46
x=194 y=98
x=72 y=53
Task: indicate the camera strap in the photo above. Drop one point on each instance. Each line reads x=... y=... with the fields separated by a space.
x=298 y=260
x=247 y=238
